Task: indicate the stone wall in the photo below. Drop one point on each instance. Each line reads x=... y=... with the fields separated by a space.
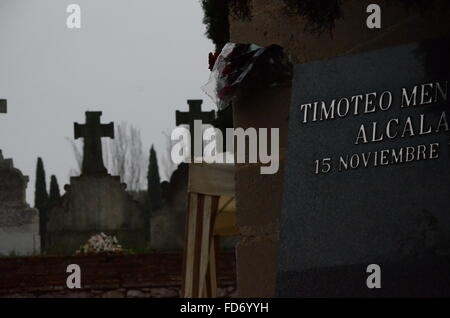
x=258 y=212
x=400 y=24
x=155 y=275
x=20 y=237
x=94 y=204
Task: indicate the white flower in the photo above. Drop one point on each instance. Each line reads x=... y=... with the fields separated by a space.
x=101 y=243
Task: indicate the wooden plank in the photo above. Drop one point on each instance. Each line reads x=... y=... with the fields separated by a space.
x=205 y=242
x=210 y=211
x=197 y=246
x=212 y=269
x=190 y=245
x=212 y=179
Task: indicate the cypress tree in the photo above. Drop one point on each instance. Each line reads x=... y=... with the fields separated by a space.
x=41 y=199
x=40 y=194
x=154 y=182
x=54 y=190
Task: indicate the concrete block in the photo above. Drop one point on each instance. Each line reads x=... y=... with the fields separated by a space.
x=257 y=267
x=258 y=198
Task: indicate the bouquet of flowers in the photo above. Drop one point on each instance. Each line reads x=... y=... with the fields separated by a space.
x=244 y=67
x=101 y=243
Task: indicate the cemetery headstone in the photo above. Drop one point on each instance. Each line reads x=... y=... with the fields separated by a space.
x=19 y=224
x=95 y=201
x=188 y=118
x=368 y=175
x=3 y=106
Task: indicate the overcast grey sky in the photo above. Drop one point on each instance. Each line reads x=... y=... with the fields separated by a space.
x=137 y=61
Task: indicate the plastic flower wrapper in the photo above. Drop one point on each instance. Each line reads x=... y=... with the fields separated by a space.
x=246 y=67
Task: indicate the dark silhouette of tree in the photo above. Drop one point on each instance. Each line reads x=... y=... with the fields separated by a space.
x=54 y=190
x=216 y=21
x=41 y=199
x=154 y=182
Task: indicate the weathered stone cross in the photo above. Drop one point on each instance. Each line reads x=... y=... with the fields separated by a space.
x=92 y=132
x=3 y=110
x=3 y=107
x=188 y=118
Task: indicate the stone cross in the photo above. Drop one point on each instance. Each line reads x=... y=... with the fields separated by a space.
x=188 y=118
x=92 y=132
x=3 y=107
x=3 y=110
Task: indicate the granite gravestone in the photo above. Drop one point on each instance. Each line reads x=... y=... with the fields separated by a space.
x=368 y=175
x=95 y=201
x=19 y=224
x=3 y=106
